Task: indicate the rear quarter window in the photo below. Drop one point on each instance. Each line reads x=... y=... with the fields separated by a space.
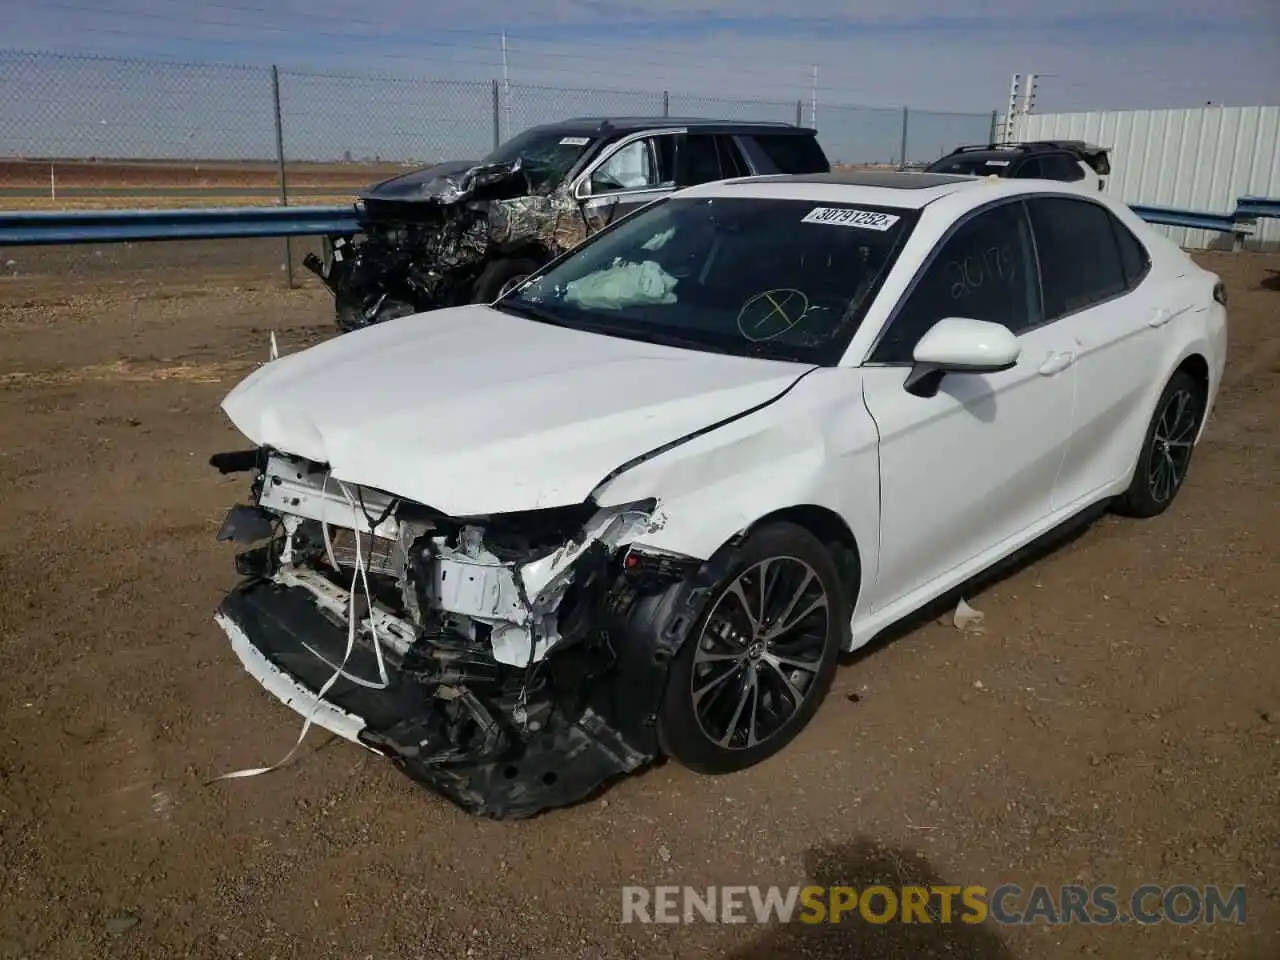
x=1133 y=255
x=1080 y=255
x=792 y=153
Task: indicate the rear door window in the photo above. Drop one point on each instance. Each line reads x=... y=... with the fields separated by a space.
x=794 y=153
x=732 y=163
x=1030 y=169
x=698 y=161
x=1061 y=166
x=1080 y=258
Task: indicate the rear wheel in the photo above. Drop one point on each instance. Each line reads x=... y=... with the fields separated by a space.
x=760 y=659
x=1166 y=449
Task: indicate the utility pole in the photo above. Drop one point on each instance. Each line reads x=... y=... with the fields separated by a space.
x=1011 y=110
x=813 y=99
x=1029 y=99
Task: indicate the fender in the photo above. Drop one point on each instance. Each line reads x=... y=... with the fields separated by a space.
x=712 y=487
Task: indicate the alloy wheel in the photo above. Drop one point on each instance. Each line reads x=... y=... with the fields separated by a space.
x=1171 y=445
x=759 y=652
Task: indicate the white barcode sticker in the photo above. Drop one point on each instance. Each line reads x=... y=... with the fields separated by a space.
x=846 y=217
x=574 y=141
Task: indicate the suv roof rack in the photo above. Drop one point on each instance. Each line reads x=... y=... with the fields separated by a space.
x=1024 y=145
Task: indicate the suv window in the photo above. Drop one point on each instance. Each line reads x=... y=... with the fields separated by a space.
x=983 y=271
x=699 y=161
x=641 y=165
x=1080 y=258
x=1030 y=169
x=731 y=161
x=793 y=153
x=1061 y=166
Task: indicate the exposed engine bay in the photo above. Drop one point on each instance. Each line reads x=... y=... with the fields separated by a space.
x=456 y=237
x=512 y=663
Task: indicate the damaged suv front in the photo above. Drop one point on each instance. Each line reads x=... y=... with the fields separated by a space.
x=458 y=232
x=481 y=654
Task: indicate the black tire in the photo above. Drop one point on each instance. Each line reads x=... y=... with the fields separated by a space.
x=1166 y=449
x=350 y=313
x=497 y=276
x=695 y=702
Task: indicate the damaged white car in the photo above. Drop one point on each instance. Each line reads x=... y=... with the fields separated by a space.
x=639 y=504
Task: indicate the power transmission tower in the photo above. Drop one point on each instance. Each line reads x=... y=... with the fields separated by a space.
x=1011 y=111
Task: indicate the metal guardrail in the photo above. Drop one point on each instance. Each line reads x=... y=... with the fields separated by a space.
x=1170 y=217
x=118 y=226
x=1257 y=207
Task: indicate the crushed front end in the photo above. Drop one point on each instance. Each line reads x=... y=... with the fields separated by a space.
x=426 y=240
x=511 y=663
x=412 y=257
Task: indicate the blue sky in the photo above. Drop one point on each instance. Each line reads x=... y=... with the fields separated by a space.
x=1091 y=54
x=1095 y=53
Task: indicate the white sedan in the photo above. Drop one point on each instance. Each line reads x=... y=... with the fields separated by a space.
x=638 y=505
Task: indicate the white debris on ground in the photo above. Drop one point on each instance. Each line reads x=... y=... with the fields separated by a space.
x=967 y=619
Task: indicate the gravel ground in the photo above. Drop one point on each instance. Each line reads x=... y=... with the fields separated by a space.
x=1118 y=721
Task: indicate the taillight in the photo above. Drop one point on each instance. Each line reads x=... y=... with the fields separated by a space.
x=1220 y=292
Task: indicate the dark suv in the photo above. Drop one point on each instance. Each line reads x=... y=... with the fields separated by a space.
x=1072 y=161
x=464 y=232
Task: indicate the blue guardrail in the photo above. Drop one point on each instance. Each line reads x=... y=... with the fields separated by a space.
x=117 y=226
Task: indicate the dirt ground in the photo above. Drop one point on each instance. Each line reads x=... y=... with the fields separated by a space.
x=1117 y=722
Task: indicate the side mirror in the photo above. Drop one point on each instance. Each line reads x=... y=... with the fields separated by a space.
x=583 y=190
x=960 y=345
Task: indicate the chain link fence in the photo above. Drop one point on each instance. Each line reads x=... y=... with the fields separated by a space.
x=94 y=132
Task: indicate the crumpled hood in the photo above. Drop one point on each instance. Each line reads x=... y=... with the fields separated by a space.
x=442 y=183
x=473 y=411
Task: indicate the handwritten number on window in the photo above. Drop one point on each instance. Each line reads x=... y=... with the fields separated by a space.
x=970 y=273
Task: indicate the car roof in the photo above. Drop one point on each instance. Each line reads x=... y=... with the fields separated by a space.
x=901 y=190
x=601 y=126
x=887 y=188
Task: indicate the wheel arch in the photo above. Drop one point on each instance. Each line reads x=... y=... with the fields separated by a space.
x=832 y=530
x=1197 y=366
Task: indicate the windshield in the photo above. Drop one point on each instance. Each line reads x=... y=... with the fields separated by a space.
x=546 y=157
x=783 y=279
x=973 y=165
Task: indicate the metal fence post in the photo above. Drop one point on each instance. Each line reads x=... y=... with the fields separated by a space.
x=666 y=103
x=284 y=189
x=995 y=115
x=902 y=156
x=799 y=113
x=497 y=115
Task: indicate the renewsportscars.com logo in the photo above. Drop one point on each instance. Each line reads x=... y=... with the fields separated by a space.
x=1180 y=904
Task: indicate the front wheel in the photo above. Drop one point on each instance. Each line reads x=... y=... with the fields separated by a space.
x=760 y=659
x=499 y=277
x=1166 y=449
x=351 y=314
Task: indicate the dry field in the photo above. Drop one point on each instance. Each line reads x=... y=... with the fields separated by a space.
x=1117 y=722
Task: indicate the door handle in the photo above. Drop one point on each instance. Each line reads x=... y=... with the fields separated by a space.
x=1057 y=362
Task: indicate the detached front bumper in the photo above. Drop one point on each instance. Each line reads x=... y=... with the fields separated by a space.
x=293 y=649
